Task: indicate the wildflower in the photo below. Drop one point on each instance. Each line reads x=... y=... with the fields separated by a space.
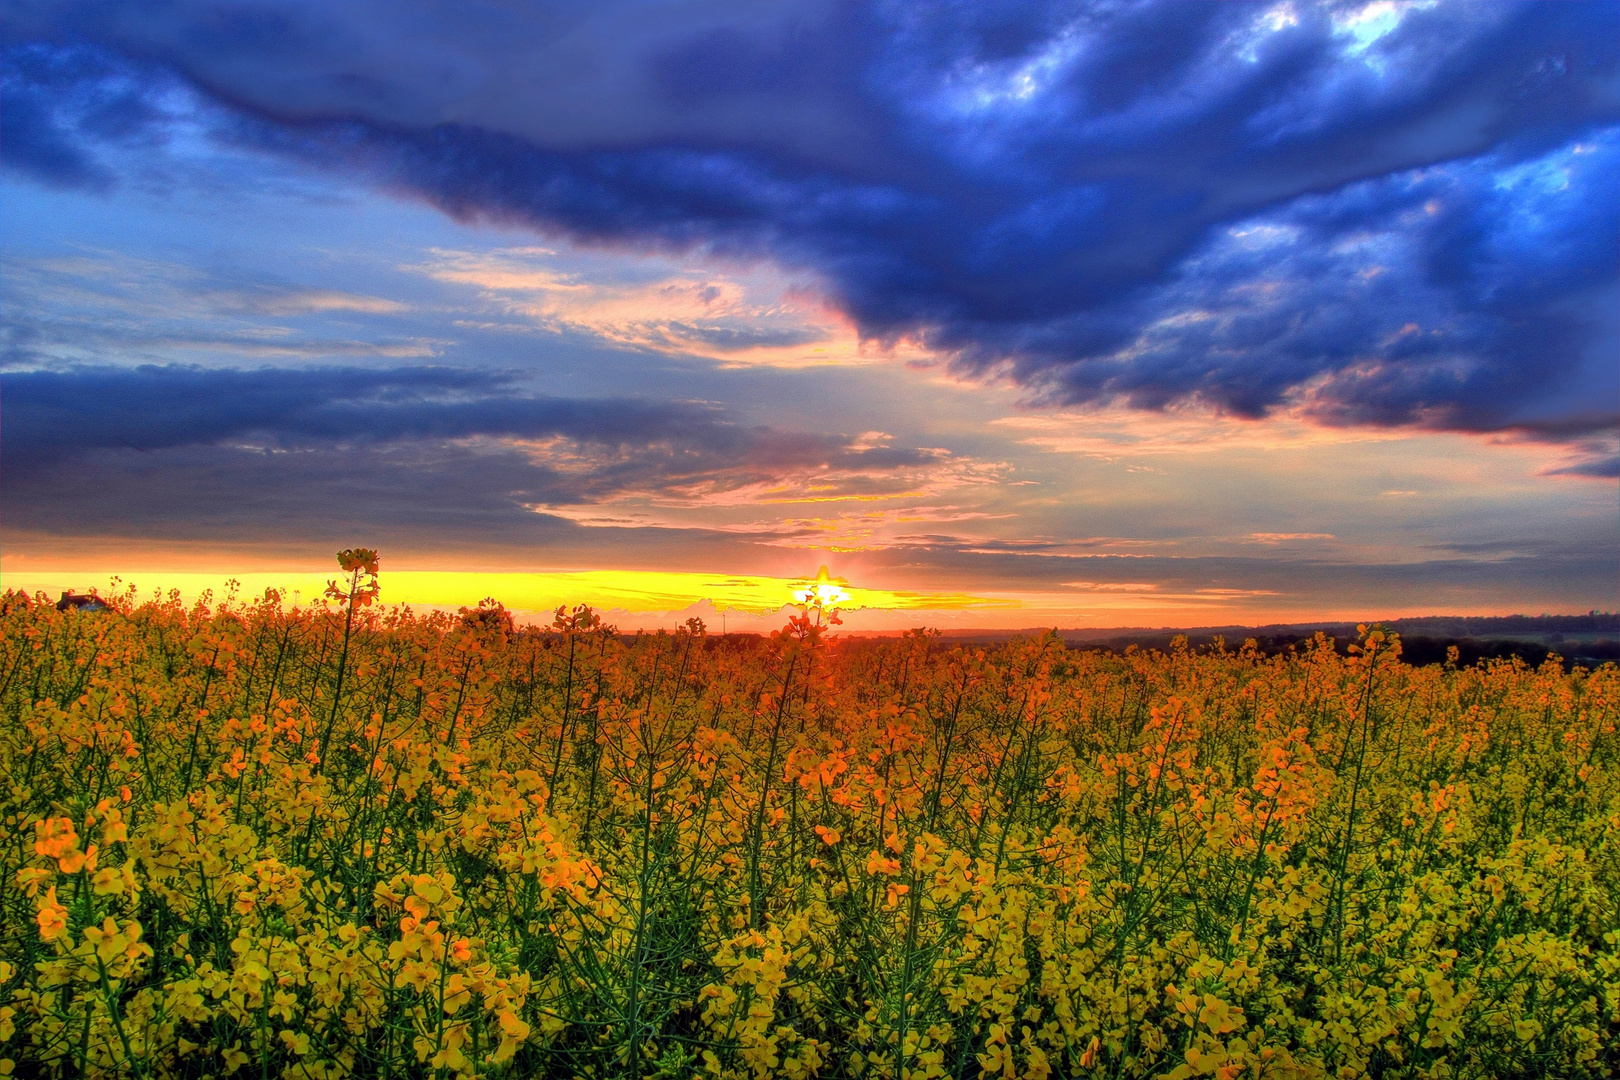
x=56 y=837
x=30 y=878
x=110 y=882
x=1219 y=1016
x=52 y=917
x=877 y=863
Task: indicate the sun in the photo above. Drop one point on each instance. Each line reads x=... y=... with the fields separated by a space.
x=823 y=591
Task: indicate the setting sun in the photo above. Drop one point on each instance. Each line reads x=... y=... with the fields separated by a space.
x=826 y=591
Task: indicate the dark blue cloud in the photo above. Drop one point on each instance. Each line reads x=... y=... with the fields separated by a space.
x=432 y=455
x=53 y=416
x=1478 y=295
x=1604 y=466
x=60 y=105
x=1406 y=218
x=299 y=462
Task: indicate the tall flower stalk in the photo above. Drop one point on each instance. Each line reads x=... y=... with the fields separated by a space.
x=359 y=591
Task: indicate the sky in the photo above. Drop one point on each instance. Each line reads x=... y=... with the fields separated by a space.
x=1011 y=315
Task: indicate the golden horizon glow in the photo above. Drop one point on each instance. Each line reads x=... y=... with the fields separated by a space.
x=638 y=592
x=650 y=600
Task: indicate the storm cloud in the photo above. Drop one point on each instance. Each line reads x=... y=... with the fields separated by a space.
x=1388 y=214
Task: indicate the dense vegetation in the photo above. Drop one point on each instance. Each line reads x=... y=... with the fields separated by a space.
x=247 y=840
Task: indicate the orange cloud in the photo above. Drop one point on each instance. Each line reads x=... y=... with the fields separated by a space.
x=738 y=315
x=1112 y=432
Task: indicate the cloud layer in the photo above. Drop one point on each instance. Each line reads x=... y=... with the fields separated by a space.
x=1385 y=213
x=451 y=455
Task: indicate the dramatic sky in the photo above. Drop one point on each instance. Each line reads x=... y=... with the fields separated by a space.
x=1027 y=313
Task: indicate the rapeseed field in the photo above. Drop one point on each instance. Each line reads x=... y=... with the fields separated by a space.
x=247 y=839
